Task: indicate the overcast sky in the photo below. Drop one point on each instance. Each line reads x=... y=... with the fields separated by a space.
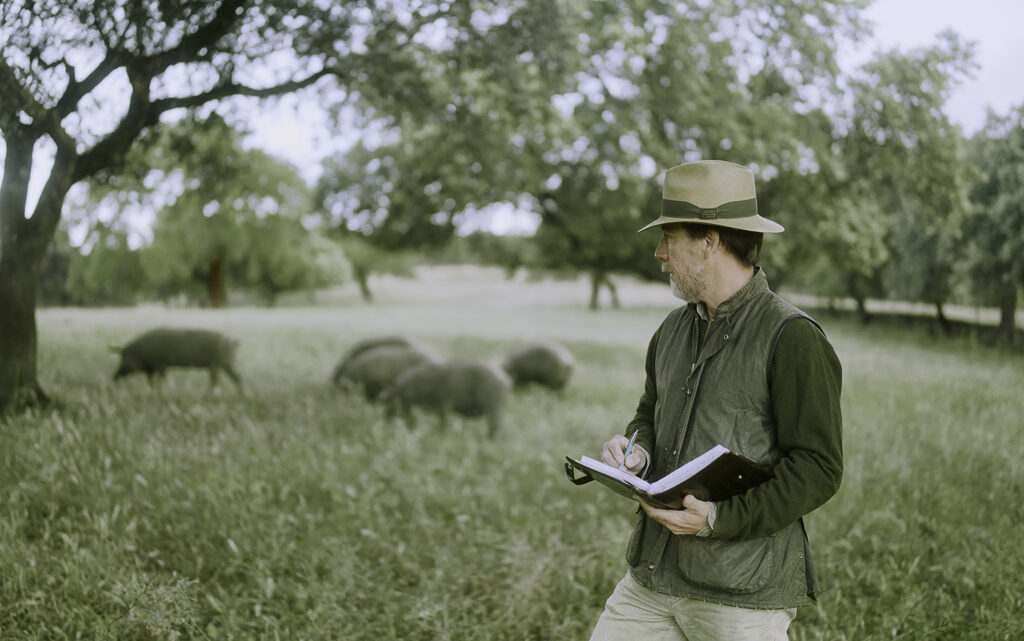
x=994 y=25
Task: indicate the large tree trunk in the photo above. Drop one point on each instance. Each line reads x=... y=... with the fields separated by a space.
x=363 y=279
x=23 y=243
x=854 y=288
x=215 y=296
x=1007 y=310
x=19 y=386
x=613 y=291
x=595 y=289
x=940 y=314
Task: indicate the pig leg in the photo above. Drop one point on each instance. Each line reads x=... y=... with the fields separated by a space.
x=233 y=375
x=153 y=375
x=493 y=423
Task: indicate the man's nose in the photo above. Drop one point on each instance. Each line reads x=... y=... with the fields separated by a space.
x=661 y=253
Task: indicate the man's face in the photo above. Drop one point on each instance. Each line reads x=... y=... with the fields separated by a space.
x=682 y=258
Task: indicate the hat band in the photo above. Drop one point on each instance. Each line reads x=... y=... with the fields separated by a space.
x=734 y=209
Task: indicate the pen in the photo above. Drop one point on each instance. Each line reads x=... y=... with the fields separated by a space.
x=629 y=448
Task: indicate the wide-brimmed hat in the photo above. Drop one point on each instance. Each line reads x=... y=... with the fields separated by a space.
x=712 y=192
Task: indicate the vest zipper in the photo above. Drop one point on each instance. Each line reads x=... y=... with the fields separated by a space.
x=700 y=350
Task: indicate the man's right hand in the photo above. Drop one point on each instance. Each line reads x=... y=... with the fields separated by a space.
x=615 y=447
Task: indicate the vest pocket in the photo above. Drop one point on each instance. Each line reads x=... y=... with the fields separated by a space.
x=740 y=567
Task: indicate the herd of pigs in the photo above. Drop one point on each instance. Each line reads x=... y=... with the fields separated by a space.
x=400 y=372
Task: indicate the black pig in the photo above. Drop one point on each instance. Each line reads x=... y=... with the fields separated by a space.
x=158 y=349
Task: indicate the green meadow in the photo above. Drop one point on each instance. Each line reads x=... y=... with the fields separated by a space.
x=294 y=511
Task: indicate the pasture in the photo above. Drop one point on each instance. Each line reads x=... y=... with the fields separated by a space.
x=298 y=512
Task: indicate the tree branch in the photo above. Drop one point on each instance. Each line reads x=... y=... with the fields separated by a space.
x=205 y=36
x=140 y=115
x=75 y=91
x=228 y=89
x=186 y=50
x=43 y=222
x=15 y=97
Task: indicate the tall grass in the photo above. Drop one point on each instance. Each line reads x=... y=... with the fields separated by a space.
x=294 y=511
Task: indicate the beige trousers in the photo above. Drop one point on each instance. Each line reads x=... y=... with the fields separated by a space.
x=633 y=612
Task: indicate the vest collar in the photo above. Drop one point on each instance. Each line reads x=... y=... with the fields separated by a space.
x=757 y=284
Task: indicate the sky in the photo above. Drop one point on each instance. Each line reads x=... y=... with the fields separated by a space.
x=995 y=27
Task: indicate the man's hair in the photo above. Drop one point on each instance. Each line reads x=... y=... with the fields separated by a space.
x=745 y=246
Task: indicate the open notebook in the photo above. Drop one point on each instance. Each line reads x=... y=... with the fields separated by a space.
x=715 y=475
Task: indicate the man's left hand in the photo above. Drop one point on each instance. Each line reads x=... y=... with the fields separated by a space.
x=692 y=518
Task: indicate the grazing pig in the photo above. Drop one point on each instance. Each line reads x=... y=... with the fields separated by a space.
x=156 y=350
x=468 y=388
x=377 y=368
x=340 y=374
x=546 y=363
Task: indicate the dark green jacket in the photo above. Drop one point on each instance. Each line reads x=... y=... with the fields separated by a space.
x=762 y=380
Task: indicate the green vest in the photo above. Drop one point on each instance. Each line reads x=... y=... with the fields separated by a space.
x=718 y=393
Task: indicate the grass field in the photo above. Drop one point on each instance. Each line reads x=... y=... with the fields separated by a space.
x=296 y=512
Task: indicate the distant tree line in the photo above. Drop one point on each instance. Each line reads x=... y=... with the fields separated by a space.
x=222 y=217
x=571 y=112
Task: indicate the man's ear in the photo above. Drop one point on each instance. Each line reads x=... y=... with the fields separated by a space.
x=711 y=241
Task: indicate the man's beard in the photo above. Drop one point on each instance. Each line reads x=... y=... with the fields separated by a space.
x=689 y=287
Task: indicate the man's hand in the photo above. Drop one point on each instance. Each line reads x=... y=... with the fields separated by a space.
x=616 y=447
x=691 y=519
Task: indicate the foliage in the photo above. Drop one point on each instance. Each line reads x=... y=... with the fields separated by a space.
x=663 y=83
x=510 y=252
x=490 y=89
x=488 y=93
x=221 y=212
x=993 y=231
x=588 y=141
x=131 y=510
x=109 y=274
x=901 y=180
x=365 y=259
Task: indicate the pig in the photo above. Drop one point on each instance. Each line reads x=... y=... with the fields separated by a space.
x=340 y=374
x=158 y=349
x=467 y=387
x=375 y=369
x=546 y=363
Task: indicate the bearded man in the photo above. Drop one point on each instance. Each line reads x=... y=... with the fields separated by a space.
x=741 y=367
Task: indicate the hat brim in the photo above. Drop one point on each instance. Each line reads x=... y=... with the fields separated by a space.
x=754 y=223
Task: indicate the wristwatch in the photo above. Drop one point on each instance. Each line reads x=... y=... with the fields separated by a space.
x=712 y=515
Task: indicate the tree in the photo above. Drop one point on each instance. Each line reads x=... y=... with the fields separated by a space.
x=618 y=92
x=662 y=83
x=412 y=188
x=107 y=271
x=228 y=212
x=993 y=231
x=85 y=78
x=366 y=259
x=903 y=176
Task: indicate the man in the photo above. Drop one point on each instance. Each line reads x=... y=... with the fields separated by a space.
x=740 y=367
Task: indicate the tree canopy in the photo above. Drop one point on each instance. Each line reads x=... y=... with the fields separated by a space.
x=993 y=230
